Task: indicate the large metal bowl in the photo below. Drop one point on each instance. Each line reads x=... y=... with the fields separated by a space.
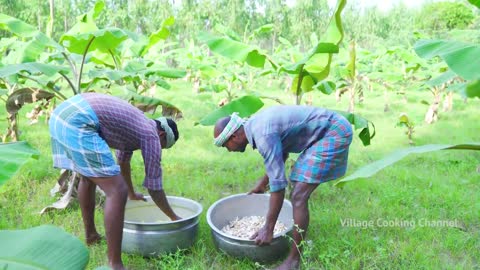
x=149 y=232
x=227 y=209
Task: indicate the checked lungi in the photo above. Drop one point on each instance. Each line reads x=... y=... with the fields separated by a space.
x=327 y=158
x=76 y=143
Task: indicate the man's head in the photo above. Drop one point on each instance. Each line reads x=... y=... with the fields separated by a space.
x=167 y=131
x=229 y=133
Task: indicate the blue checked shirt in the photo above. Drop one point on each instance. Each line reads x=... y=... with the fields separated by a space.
x=279 y=130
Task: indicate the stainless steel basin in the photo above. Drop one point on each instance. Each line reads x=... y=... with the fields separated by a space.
x=149 y=232
x=227 y=209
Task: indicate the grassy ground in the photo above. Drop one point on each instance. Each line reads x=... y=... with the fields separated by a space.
x=419 y=189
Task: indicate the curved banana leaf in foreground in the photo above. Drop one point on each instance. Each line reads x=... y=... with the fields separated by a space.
x=374 y=167
x=42 y=247
x=245 y=106
x=12 y=157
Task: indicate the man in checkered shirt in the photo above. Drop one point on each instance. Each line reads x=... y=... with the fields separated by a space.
x=83 y=129
x=322 y=137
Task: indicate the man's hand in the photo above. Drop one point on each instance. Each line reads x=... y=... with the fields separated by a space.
x=263 y=237
x=136 y=197
x=160 y=199
x=176 y=218
x=261 y=186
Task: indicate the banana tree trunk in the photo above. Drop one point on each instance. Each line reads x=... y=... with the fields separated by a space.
x=361 y=97
x=448 y=102
x=12 y=130
x=351 y=106
x=309 y=100
x=339 y=93
x=196 y=85
x=386 y=107
x=51 y=19
x=432 y=114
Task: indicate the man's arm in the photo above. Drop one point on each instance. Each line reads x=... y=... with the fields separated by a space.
x=152 y=156
x=265 y=235
x=127 y=176
x=123 y=159
x=261 y=185
x=270 y=147
x=160 y=200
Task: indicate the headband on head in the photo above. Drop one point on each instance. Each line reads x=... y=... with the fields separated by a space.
x=233 y=125
x=168 y=130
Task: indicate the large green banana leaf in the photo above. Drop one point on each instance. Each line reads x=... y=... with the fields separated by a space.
x=234 y=50
x=12 y=157
x=475 y=3
x=374 y=167
x=316 y=66
x=41 y=248
x=245 y=106
x=103 y=40
x=86 y=22
x=462 y=58
x=35 y=41
x=161 y=34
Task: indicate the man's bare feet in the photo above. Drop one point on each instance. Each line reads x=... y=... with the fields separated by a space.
x=94 y=239
x=289 y=264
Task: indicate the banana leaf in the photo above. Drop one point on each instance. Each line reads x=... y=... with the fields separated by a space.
x=461 y=58
x=245 y=106
x=42 y=247
x=475 y=3
x=12 y=157
x=374 y=167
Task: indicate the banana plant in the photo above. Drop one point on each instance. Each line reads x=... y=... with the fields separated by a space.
x=351 y=81
x=42 y=63
x=405 y=121
x=240 y=54
x=38 y=68
x=461 y=58
x=309 y=73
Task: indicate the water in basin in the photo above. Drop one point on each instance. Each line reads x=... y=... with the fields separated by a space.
x=152 y=214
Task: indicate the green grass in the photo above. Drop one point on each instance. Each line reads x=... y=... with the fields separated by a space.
x=435 y=186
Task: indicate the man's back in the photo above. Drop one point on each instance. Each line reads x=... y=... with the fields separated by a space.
x=121 y=124
x=297 y=127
